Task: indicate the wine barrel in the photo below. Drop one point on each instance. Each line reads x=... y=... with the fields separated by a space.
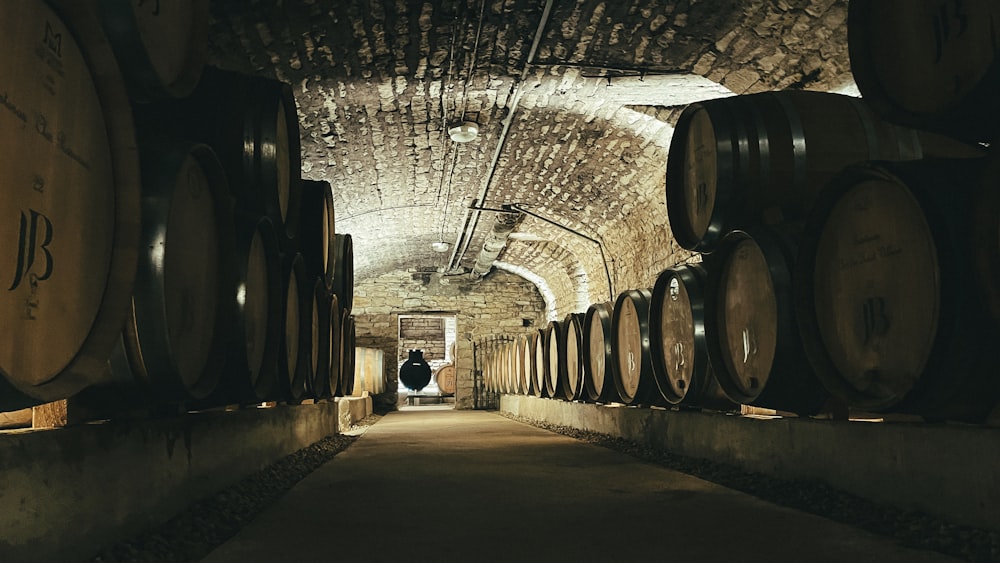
x=597 y=354
x=570 y=353
x=294 y=356
x=254 y=329
x=519 y=376
x=527 y=360
x=508 y=367
x=753 y=341
x=71 y=201
x=252 y=124
x=929 y=65
x=162 y=47
x=553 y=335
x=446 y=379
x=343 y=271
x=316 y=305
x=681 y=368
x=347 y=342
x=333 y=342
x=321 y=340
x=887 y=302
x=539 y=362
x=633 y=364
x=741 y=160
x=315 y=238
x=175 y=337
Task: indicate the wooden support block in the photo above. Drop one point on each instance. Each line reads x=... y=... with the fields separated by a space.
x=50 y=415
x=16 y=419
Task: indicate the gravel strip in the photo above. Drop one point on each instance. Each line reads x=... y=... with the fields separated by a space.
x=209 y=523
x=909 y=528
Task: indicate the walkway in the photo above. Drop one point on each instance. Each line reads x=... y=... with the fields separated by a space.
x=430 y=484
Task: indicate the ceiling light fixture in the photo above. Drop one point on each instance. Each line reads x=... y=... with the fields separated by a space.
x=440 y=246
x=464 y=132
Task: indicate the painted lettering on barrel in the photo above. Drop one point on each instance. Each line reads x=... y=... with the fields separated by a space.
x=34 y=234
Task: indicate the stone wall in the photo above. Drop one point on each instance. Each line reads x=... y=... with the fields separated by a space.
x=499 y=304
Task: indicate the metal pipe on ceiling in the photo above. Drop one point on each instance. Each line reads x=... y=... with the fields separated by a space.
x=465 y=236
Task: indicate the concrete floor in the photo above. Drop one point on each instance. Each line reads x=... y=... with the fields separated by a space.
x=434 y=484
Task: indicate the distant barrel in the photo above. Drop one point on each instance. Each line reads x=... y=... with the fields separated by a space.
x=597 y=354
x=571 y=357
x=632 y=363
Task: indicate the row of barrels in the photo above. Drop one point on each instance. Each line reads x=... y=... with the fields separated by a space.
x=852 y=246
x=756 y=324
x=162 y=245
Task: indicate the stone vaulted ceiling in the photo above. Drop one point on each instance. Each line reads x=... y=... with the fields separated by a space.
x=574 y=100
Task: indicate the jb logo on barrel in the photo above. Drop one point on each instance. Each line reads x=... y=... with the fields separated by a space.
x=35 y=235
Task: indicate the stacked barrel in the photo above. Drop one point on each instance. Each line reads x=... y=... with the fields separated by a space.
x=849 y=248
x=163 y=248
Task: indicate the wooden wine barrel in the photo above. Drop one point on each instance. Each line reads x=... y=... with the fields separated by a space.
x=315 y=238
x=315 y=305
x=446 y=379
x=255 y=328
x=162 y=47
x=252 y=124
x=176 y=336
x=347 y=341
x=527 y=360
x=932 y=65
x=518 y=350
x=888 y=306
x=677 y=336
x=742 y=160
x=333 y=342
x=632 y=362
x=597 y=354
x=570 y=351
x=343 y=271
x=508 y=366
x=753 y=341
x=553 y=335
x=539 y=362
x=320 y=383
x=70 y=203
x=294 y=355
x=491 y=366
